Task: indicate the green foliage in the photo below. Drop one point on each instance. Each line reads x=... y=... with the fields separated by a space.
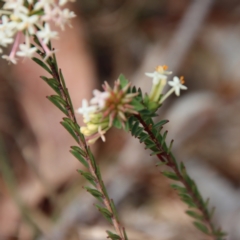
x=70 y=129
x=113 y=236
x=123 y=80
x=201 y=227
x=117 y=123
x=89 y=177
x=53 y=84
x=42 y=64
x=76 y=151
x=58 y=104
x=108 y=215
x=149 y=133
x=82 y=152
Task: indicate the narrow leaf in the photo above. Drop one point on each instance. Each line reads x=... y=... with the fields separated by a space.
x=68 y=127
x=78 y=149
x=134 y=128
x=123 y=80
x=94 y=192
x=52 y=83
x=57 y=104
x=79 y=157
x=88 y=176
x=105 y=213
x=114 y=209
x=42 y=64
x=164 y=138
x=113 y=236
x=170 y=175
x=201 y=227
x=160 y=124
x=179 y=188
x=194 y=215
x=125 y=234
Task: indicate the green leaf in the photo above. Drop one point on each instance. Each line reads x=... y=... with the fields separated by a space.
x=125 y=234
x=150 y=146
x=158 y=164
x=160 y=124
x=164 y=138
x=171 y=175
x=134 y=90
x=140 y=92
x=144 y=136
x=42 y=64
x=57 y=104
x=88 y=176
x=69 y=128
x=179 y=188
x=155 y=153
x=52 y=83
x=113 y=236
x=137 y=105
x=123 y=80
x=59 y=99
x=201 y=227
x=62 y=79
x=170 y=147
x=152 y=106
x=94 y=192
x=114 y=209
x=194 y=215
x=105 y=213
x=79 y=157
x=139 y=131
x=79 y=150
x=117 y=123
x=126 y=128
x=74 y=125
x=92 y=159
x=134 y=128
x=131 y=121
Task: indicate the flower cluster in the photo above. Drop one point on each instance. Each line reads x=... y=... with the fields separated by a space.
x=113 y=104
x=27 y=18
x=159 y=77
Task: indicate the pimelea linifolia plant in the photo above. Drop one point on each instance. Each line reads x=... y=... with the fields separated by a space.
x=122 y=106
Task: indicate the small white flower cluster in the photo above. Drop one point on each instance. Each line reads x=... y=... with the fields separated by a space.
x=159 y=77
x=30 y=18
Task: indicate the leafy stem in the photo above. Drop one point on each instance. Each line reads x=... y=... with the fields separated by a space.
x=82 y=151
x=149 y=133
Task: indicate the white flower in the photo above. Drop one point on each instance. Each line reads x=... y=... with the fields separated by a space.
x=4 y=39
x=30 y=17
x=62 y=2
x=46 y=33
x=99 y=98
x=85 y=110
x=27 y=23
x=159 y=74
x=177 y=84
x=10 y=59
x=26 y=51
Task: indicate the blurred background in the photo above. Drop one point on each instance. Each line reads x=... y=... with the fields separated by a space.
x=41 y=194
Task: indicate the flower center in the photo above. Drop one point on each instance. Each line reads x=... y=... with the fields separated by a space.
x=182 y=80
x=161 y=69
